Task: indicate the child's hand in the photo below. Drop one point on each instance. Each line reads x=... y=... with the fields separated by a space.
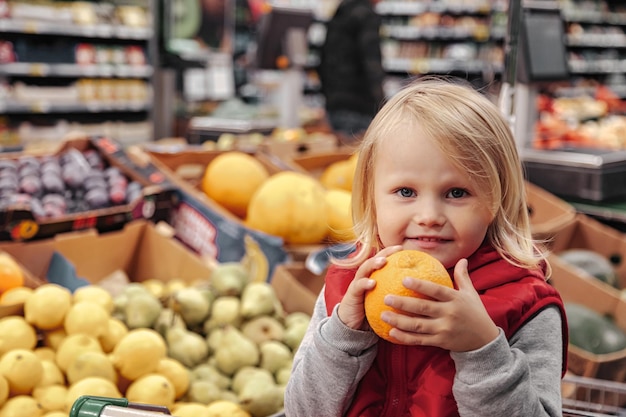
x=455 y=320
x=351 y=310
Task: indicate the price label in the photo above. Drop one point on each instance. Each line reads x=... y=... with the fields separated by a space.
x=37 y=70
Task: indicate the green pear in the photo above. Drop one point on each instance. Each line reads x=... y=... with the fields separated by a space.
x=257 y=299
x=192 y=304
x=213 y=339
x=167 y=319
x=293 y=335
x=263 y=328
x=295 y=317
x=274 y=355
x=235 y=351
x=187 y=347
x=142 y=310
x=224 y=310
x=203 y=392
x=248 y=373
x=283 y=374
x=260 y=398
x=208 y=372
x=229 y=278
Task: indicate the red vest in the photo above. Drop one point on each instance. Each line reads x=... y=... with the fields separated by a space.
x=417 y=380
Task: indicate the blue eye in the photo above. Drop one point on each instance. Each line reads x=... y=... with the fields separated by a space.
x=457 y=193
x=406 y=192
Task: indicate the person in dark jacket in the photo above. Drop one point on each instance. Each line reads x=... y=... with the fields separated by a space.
x=350 y=71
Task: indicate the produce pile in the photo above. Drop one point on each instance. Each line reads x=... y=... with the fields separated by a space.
x=293 y=205
x=210 y=348
x=54 y=186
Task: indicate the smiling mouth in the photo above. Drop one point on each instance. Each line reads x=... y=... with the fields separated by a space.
x=431 y=239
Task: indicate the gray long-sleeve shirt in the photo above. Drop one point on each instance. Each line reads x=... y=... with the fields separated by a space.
x=519 y=377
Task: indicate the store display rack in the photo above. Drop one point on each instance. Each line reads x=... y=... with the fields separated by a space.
x=441 y=36
x=76 y=66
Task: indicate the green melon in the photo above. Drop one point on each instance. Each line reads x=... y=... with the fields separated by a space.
x=593 y=263
x=593 y=332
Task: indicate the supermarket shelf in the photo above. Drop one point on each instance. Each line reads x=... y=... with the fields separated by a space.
x=400 y=8
x=47 y=107
x=426 y=65
x=103 y=31
x=590 y=16
x=33 y=69
x=407 y=32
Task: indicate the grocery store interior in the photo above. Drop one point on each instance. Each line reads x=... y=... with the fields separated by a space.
x=148 y=265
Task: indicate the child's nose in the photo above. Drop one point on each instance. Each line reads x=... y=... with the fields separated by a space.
x=428 y=213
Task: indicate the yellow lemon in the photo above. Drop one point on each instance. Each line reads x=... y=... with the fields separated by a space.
x=176 y=372
x=91 y=363
x=190 y=410
x=47 y=306
x=55 y=414
x=22 y=369
x=223 y=408
x=96 y=295
x=52 y=375
x=4 y=390
x=74 y=345
x=138 y=353
x=116 y=329
x=51 y=397
x=45 y=353
x=93 y=385
x=152 y=389
x=16 y=333
x=17 y=295
x=88 y=318
x=53 y=338
x=21 y=406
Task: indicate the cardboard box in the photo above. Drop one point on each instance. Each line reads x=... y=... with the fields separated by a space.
x=201 y=223
x=297 y=287
x=139 y=250
x=19 y=223
x=585 y=290
x=587 y=233
x=548 y=213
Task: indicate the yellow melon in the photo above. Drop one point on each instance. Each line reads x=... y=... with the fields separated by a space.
x=232 y=178
x=291 y=205
x=339 y=211
x=338 y=175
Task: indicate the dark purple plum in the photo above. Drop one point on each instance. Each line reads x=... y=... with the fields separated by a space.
x=97 y=198
x=30 y=184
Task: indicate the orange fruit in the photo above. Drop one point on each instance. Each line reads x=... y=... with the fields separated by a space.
x=11 y=275
x=405 y=263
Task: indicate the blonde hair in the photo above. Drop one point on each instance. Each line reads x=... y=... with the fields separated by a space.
x=469 y=128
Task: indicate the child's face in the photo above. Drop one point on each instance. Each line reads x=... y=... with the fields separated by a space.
x=424 y=202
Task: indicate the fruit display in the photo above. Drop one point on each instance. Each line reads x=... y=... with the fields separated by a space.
x=213 y=348
x=590 y=118
x=54 y=186
x=405 y=263
x=291 y=204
